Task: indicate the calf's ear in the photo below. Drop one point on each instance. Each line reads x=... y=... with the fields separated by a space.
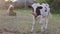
x=29 y=6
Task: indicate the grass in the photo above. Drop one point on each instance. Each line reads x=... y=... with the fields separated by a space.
x=23 y=22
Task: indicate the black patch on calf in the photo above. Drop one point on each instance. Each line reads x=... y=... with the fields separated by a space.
x=38 y=10
x=45 y=9
x=39 y=7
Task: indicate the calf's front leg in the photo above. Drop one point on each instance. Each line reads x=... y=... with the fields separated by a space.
x=33 y=24
x=41 y=23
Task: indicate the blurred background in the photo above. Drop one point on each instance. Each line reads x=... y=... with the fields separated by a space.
x=54 y=4
x=23 y=21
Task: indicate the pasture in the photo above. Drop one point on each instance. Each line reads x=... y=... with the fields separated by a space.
x=22 y=23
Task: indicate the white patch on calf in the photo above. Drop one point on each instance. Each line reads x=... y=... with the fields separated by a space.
x=45 y=7
x=44 y=14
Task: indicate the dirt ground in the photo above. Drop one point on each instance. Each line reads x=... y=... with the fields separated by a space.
x=21 y=24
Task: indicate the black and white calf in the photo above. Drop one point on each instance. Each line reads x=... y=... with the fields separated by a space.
x=43 y=11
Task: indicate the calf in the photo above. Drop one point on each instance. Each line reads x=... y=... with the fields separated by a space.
x=43 y=10
x=10 y=11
